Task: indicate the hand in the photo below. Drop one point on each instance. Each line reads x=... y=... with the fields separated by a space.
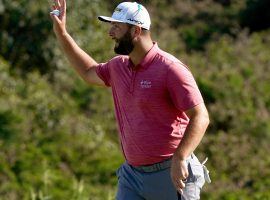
x=59 y=22
x=179 y=173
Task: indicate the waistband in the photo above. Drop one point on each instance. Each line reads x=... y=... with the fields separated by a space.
x=156 y=166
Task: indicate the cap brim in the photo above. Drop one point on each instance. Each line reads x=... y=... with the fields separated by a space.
x=108 y=19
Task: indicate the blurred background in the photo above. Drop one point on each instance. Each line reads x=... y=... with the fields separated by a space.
x=58 y=136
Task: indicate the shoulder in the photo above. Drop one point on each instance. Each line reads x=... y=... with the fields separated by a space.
x=169 y=61
x=118 y=60
x=113 y=63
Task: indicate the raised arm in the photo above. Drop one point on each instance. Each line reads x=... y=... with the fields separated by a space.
x=79 y=59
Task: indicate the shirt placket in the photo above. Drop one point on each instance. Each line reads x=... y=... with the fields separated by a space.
x=133 y=79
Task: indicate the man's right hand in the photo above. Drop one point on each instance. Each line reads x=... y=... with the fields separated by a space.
x=79 y=59
x=59 y=22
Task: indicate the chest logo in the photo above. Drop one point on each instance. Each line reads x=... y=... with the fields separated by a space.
x=146 y=84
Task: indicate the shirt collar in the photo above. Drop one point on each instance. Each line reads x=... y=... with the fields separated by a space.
x=148 y=58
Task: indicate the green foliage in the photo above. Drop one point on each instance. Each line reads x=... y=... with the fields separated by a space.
x=58 y=135
x=195 y=22
x=27 y=39
x=254 y=16
x=48 y=149
x=19 y=20
x=236 y=72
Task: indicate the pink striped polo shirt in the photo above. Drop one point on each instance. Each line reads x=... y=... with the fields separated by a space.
x=150 y=103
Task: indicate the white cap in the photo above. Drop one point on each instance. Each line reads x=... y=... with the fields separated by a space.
x=131 y=13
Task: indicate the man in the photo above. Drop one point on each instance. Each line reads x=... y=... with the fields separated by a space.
x=160 y=111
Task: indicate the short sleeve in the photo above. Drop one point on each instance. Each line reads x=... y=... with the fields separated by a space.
x=182 y=87
x=103 y=72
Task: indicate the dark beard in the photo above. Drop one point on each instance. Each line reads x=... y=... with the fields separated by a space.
x=125 y=45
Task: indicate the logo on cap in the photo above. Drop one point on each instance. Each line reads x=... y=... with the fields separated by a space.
x=117 y=10
x=136 y=21
x=131 y=13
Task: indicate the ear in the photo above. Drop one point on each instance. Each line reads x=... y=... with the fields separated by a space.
x=136 y=32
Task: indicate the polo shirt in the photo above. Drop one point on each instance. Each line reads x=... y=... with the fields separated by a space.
x=150 y=100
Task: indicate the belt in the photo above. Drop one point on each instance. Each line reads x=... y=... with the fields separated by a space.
x=154 y=167
x=157 y=166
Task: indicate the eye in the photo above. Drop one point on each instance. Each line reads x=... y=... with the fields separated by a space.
x=115 y=25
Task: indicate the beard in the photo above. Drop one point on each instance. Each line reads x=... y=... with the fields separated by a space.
x=125 y=45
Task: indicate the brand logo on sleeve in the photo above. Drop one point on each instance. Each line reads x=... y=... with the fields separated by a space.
x=146 y=84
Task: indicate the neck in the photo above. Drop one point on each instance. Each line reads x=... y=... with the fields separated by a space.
x=140 y=50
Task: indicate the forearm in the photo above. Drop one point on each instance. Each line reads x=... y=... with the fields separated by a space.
x=79 y=59
x=193 y=135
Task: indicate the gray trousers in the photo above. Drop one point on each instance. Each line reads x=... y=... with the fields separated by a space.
x=136 y=185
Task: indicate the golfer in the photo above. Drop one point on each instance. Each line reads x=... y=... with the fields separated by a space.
x=159 y=109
